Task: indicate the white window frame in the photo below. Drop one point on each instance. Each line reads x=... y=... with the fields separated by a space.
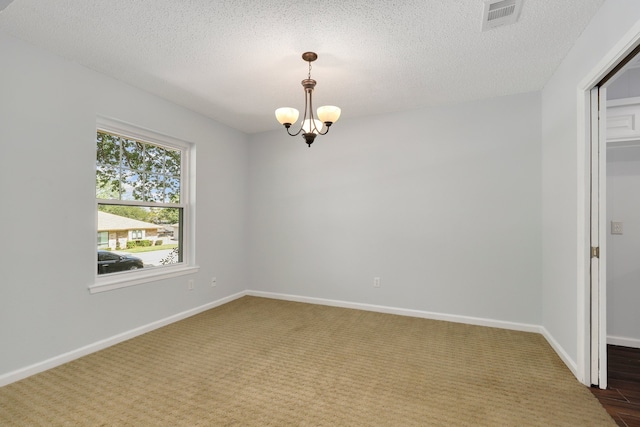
x=188 y=265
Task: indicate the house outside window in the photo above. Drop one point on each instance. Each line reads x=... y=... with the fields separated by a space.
x=141 y=198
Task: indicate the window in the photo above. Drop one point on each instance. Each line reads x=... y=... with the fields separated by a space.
x=142 y=209
x=103 y=239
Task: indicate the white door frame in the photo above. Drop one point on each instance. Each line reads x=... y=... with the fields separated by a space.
x=598 y=238
x=619 y=52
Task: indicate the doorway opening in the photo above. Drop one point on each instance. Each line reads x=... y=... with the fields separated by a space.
x=613 y=102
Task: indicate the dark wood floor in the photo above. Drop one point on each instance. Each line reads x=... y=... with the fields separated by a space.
x=622 y=397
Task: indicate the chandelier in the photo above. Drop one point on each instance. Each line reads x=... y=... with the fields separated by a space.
x=310 y=126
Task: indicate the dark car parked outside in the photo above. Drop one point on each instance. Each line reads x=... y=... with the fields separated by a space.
x=108 y=262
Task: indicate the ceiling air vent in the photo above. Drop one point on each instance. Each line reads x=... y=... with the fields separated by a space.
x=500 y=12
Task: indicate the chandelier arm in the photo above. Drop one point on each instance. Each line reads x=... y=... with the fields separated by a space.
x=325 y=132
x=294 y=134
x=307 y=102
x=312 y=122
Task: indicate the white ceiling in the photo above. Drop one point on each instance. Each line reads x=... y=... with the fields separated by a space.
x=236 y=61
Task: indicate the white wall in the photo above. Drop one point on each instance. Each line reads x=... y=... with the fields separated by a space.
x=623 y=251
x=48 y=109
x=443 y=204
x=561 y=172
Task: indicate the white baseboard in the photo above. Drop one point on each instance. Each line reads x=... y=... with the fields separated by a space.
x=571 y=364
x=403 y=312
x=623 y=341
x=27 y=371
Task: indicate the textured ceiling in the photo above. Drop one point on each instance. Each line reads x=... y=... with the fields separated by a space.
x=236 y=61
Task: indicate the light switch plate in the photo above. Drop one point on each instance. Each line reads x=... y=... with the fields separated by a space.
x=616 y=227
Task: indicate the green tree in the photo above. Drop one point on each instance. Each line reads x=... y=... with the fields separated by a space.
x=165 y=215
x=133 y=212
x=127 y=169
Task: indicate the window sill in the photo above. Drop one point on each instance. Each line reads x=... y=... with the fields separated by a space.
x=123 y=280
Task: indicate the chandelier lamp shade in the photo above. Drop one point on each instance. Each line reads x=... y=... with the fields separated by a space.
x=311 y=125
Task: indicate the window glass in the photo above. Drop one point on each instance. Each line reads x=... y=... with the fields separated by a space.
x=139 y=203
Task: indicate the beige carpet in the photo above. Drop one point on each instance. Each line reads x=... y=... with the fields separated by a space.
x=263 y=362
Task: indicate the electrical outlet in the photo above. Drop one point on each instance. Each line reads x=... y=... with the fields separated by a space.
x=616 y=227
x=376 y=282
x=191 y=284
x=213 y=282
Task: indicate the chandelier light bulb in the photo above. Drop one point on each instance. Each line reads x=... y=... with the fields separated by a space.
x=308 y=127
